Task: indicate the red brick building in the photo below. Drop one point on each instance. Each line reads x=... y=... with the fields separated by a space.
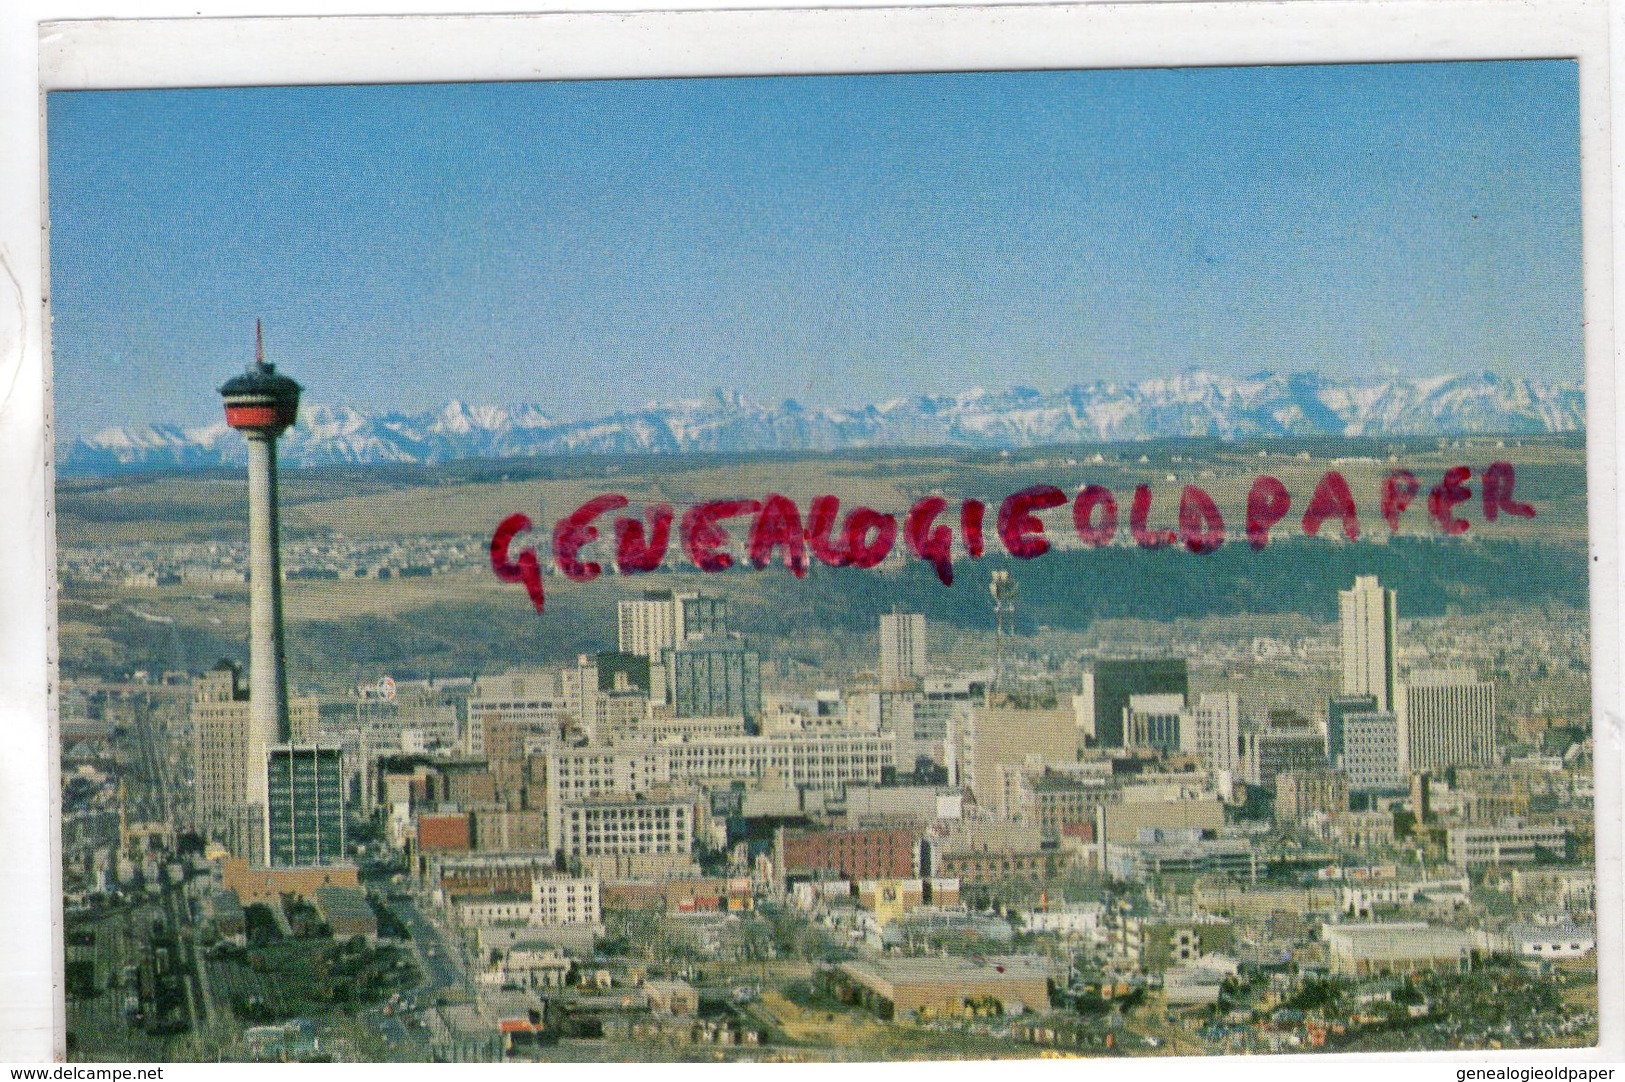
x=853 y=854
x=443 y=834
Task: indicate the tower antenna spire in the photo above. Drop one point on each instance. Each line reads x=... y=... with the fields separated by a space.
x=259 y=343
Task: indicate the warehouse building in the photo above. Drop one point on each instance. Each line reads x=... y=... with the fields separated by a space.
x=942 y=986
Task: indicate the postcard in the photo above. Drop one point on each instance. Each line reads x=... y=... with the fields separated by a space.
x=950 y=562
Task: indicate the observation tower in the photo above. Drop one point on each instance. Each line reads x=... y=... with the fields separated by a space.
x=262 y=405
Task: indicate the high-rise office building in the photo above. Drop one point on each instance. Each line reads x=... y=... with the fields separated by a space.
x=1212 y=730
x=701 y=617
x=539 y=701
x=647 y=626
x=1113 y=682
x=1446 y=718
x=226 y=758
x=1289 y=742
x=219 y=718
x=221 y=763
x=713 y=678
x=902 y=648
x=930 y=720
x=1367 y=615
x=661 y=620
x=305 y=805
x=1371 y=755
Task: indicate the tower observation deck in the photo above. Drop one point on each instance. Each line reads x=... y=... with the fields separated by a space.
x=260 y=401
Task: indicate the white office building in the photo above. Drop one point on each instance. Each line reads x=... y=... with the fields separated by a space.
x=1153 y=721
x=628 y=826
x=662 y=620
x=1512 y=841
x=1446 y=718
x=554 y=900
x=1373 y=759
x=1211 y=730
x=902 y=648
x=1367 y=616
x=825 y=761
x=536 y=699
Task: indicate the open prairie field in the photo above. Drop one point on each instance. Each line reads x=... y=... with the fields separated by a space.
x=462 y=618
x=473 y=496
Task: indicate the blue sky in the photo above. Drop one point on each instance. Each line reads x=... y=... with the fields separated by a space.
x=837 y=240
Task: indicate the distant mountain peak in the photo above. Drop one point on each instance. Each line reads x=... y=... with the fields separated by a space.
x=1192 y=403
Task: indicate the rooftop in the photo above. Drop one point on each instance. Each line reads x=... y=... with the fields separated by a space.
x=950 y=970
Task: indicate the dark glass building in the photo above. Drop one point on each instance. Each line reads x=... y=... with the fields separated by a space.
x=714 y=678
x=1116 y=681
x=305 y=805
x=1338 y=709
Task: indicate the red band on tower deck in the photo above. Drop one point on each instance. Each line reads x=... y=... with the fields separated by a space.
x=254 y=417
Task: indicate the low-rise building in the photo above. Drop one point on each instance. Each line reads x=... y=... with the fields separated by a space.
x=889 y=899
x=1183 y=852
x=1080 y=919
x=1362 y=898
x=1558 y=942
x=948 y=986
x=675 y=996
x=1572 y=889
x=531 y=968
x=1124 y=820
x=918 y=805
x=1250 y=901
x=642 y=824
x=1512 y=841
x=981 y=866
x=986 y=850
x=1196 y=984
x=636 y=867
x=462 y=875
x=255 y=885
x=502 y=831
x=853 y=854
x=451 y=833
x=346 y=912
x=1364 y=950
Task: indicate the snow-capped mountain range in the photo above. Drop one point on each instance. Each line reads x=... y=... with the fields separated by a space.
x=1192 y=404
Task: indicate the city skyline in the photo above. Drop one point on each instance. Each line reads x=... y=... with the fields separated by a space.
x=835 y=240
x=908 y=816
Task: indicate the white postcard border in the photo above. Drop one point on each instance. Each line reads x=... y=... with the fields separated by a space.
x=263 y=45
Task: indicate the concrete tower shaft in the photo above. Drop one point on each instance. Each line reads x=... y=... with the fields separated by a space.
x=267 y=676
